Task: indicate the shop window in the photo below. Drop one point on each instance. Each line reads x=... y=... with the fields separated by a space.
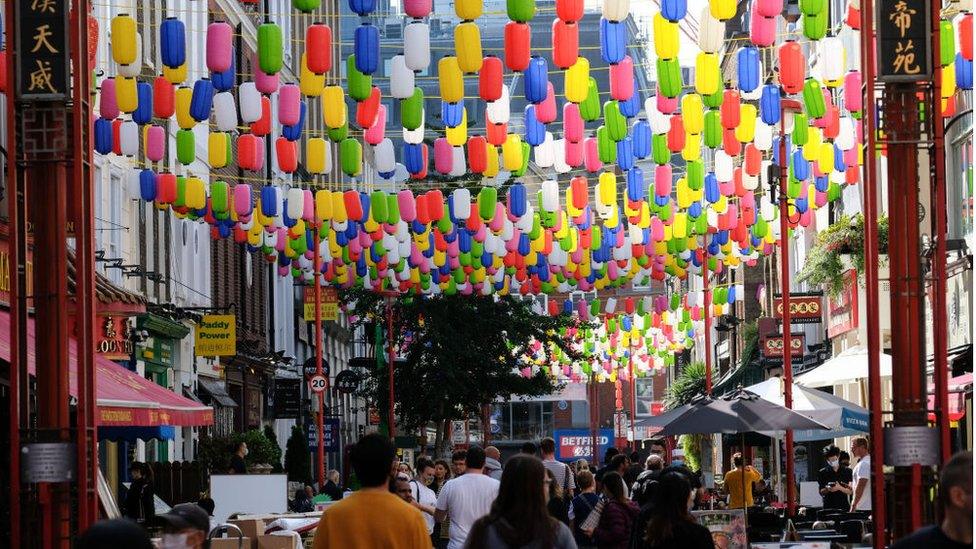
x=959 y=178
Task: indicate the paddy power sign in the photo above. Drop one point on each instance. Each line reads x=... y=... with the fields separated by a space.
x=216 y=335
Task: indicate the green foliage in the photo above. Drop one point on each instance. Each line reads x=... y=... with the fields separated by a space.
x=691 y=445
x=214 y=453
x=275 y=447
x=688 y=384
x=459 y=352
x=750 y=343
x=824 y=265
x=298 y=460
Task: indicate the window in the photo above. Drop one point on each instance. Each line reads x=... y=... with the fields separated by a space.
x=959 y=174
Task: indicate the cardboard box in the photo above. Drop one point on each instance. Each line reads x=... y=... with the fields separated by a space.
x=271 y=541
x=231 y=543
x=251 y=528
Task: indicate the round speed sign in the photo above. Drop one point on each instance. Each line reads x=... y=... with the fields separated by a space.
x=317 y=383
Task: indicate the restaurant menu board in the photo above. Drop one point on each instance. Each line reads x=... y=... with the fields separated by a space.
x=728 y=527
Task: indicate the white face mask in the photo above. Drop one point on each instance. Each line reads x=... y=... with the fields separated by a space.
x=174 y=541
x=835 y=463
x=246 y=451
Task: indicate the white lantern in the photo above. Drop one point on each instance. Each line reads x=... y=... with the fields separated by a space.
x=499 y=110
x=225 y=111
x=402 y=80
x=459 y=164
x=414 y=137
x=559 y=156
x=762 y=137
x=132 y=183
x=461 y=203
x=846 y=138
x=616 y=10
x=416 y=45
x=296 y=202
x=250 y=99
x=635 y=234
x=660 y=123
x=610 y=306
x=830 y=51
x=750 y=182
x=129 y=138
x=384 y=156
x=724 y=166
x=711 y=32
x=544 y=152
x=550 y=195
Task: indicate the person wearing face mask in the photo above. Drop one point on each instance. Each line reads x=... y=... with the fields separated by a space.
x=835 y=481
x=185 y=526
x=237 y=466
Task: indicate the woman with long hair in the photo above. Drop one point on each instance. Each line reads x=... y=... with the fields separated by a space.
x=519 y=516
x=671 y=525
x=618 y=516
x=442 y=474
x=558 y=506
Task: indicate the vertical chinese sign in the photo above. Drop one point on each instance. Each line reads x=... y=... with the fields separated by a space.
x=42 y=50
x=903 y=40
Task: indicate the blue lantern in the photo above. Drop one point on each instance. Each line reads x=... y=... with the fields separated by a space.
x=613 y=41
x=269 y=201
x=801 y=203
x=625 y=153
x=712 y=193
x=452 y=114
x=636 y=190
x=294 y=132
x=632 y=106
x=364 y=201
x=144 y=111
x=821 y=183
x=535 y=131
x=769 y=104
x=201 y=102
x=749 y=74
x=801 y=168
x=517 y=200
x=362 y=7
x=964 y=73
x=413 y=159
x=172 y=42
x=367 y=47
x=641 y=133
x=103 y=136
x=839 y=164
x=537 y=80
x=674 y=10
x=147 y=185
x=695 y=209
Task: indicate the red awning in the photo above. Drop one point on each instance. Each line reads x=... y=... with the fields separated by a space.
x=124 y=397
x=958 y=387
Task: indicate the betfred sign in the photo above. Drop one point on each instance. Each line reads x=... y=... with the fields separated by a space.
x=804 y=309
x=574 y=444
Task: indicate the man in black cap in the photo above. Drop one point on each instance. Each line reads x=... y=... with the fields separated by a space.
x=185 y=526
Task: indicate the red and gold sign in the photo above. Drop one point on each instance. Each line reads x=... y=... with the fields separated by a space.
x=804 y=309
x=773 y=346
x=112 y=337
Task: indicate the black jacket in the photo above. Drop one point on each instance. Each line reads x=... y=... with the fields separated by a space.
x=139 y=504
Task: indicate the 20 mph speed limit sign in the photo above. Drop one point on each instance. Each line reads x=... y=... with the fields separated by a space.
x=317 y=383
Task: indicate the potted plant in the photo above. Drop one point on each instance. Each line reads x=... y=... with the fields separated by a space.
x=838 y=248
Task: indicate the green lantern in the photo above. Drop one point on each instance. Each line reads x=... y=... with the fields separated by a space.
x=270 y=48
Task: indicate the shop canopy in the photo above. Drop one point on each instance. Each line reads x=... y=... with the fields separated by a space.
x=849 y=366
x=842 y=417
x=125 y=399
x=958 y=387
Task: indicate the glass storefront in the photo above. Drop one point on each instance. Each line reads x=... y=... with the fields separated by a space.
x=520 y=421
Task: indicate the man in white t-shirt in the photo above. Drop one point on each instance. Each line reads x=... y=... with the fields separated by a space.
x=466 y=498
x=560 y=471
x=425 y=499
x=861 y=482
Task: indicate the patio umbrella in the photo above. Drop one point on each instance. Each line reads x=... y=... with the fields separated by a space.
x=842 y=417
x=849 y=366
x=743 y=412
x=663 y=419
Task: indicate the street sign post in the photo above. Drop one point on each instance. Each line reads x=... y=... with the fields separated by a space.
x=318 y=383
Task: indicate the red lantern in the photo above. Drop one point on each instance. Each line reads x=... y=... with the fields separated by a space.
x=569 y=10
x=318 y=48
x=287 y=155
x=518 y=44
x=166 y=188
x=565 y=43
x=753 y=160
x=496 y=133
x=579 y=192
x=435 y=203
x=490 y=78
x=247 y=145
x=853 y=19
x=92 y=42
x=792 y=67
x=164 y=102
x=3 y=71
x=367 y=110
x=262 y=126
x=730 y=144
x=477 y=154
x=729 y=112
x=116 y=140
x=831 y=122
x=676 y=135
x=354 y=206
x=966 y=36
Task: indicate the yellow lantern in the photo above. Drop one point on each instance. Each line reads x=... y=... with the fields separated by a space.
x=467 y=44
x=127 y=96
x=825 y=160
x=692 y=149
x=512 y=152
x=692 y=113
x=577 y=80
x=679 y=227
x=217 y=149
x=196 y=193
x=811 y=149
x=491 y=158
x=746 y=129
x=124 y=41
x=184 y=96
x=339 y=208
x=722 y=9
x=708 y=76
x=458 y=135
x=451 y=79
x=333 y=107
x=175 y=76
x=948 y=80
x=468 y=10
x=323 y=206
x=309 y=83
x=606 y=189
x=666 y=41
x=317 y=157
x=684 y=198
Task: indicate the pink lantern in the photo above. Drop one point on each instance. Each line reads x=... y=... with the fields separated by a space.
x=762 y=31
x=443 y=155
x=418 y=9
x=220 y=37
x=375 y=133
x=622 y=79
x=289 y=105
x=108 y=105
x=545 y=111
x=242 y=199
x=662 y=180
x=665 y=105
x=574 y=153
x=768 y=8
x=265 y=83
x=155 y=143
x=572 y=123
x=591 y=155
x=852 y=91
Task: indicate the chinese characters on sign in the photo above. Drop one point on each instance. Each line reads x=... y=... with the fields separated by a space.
x=42 y=49
x=903 y=40
x=216 y=335
x=329 y=304
x=803 y=309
